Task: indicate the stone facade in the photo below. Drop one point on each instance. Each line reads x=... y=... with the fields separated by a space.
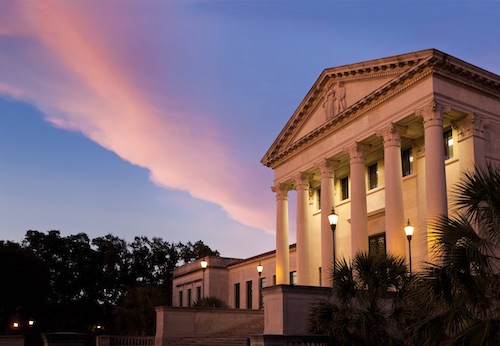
x=235 y=281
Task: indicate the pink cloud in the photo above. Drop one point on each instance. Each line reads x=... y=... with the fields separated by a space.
x=84 y=85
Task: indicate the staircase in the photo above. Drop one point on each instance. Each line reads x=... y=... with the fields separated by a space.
x=235 y=336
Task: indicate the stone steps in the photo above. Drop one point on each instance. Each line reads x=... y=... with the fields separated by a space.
x=235 y=336
x=211 y=341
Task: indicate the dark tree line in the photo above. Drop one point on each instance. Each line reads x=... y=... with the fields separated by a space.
x=82 y=284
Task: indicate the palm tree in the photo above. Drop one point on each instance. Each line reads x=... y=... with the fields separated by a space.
x=366 y=303
x=458 y=297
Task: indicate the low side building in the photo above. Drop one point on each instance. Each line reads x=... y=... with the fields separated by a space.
x=235 y=281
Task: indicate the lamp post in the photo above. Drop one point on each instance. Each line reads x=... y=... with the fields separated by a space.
x=259 y=270
x=204 y=264
x=333 y=218
x=409 y=233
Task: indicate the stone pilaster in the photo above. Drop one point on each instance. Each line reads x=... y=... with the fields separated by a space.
x=471 y=141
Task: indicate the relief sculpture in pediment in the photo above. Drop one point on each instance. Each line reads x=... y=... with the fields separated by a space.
x=334 y=100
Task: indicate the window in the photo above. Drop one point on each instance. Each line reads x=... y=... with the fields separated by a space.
x=293 y=278
x=373 y=176
x=344 y=187
x=198 y=293
x=274 y=280
x=376 y=244
x=249 y=294
x=448 y=145
x=318 y=198
x=320 y=276
x=237 y=296
x=180 y=298
x=407 y=162
x=261 y=296
x=189 y=297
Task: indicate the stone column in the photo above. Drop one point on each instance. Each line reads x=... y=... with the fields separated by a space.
x=419 y=253
x=394 y=210
x=326 y=168
x=435 y=175
x=282 y=242
x=304 y=270
x=471 y=140
x=359 y=217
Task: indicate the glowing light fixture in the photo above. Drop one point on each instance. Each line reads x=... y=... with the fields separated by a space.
x=409 y=233
x=333 y=218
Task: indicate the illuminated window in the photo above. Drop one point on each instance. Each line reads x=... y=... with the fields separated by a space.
x=344 y=188
x=407 y=162
x=293 y=278
x=448 y=145
x=373 y=176
x=261 y=296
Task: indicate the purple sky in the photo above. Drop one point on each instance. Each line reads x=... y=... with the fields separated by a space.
x=151 y=117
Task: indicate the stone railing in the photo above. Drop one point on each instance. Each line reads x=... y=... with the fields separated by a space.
x=289 y=340
x=120 y=340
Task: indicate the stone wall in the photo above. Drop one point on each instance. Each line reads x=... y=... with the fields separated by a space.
x=175 y=323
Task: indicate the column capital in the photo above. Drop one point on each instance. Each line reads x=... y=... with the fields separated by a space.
x=432 y=114
x=281 y=191
x=472 y=124
x=326 y=167
x=357 y=152
x=302 y=181
x=392 y=135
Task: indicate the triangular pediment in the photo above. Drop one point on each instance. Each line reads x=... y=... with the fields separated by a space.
x=341 y=89
x=328 y=105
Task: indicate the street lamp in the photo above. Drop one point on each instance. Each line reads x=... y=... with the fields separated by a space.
x=259 y=270
x=333 y=218
x=409 y=233
x=204 y=265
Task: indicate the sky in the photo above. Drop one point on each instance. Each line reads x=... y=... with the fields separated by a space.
x=150 y=118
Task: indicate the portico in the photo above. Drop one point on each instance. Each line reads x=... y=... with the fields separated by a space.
x=379 y=161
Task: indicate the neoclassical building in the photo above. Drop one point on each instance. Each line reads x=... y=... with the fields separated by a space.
x=382 y=142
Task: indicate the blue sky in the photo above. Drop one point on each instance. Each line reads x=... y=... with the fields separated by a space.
x=150 y=118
